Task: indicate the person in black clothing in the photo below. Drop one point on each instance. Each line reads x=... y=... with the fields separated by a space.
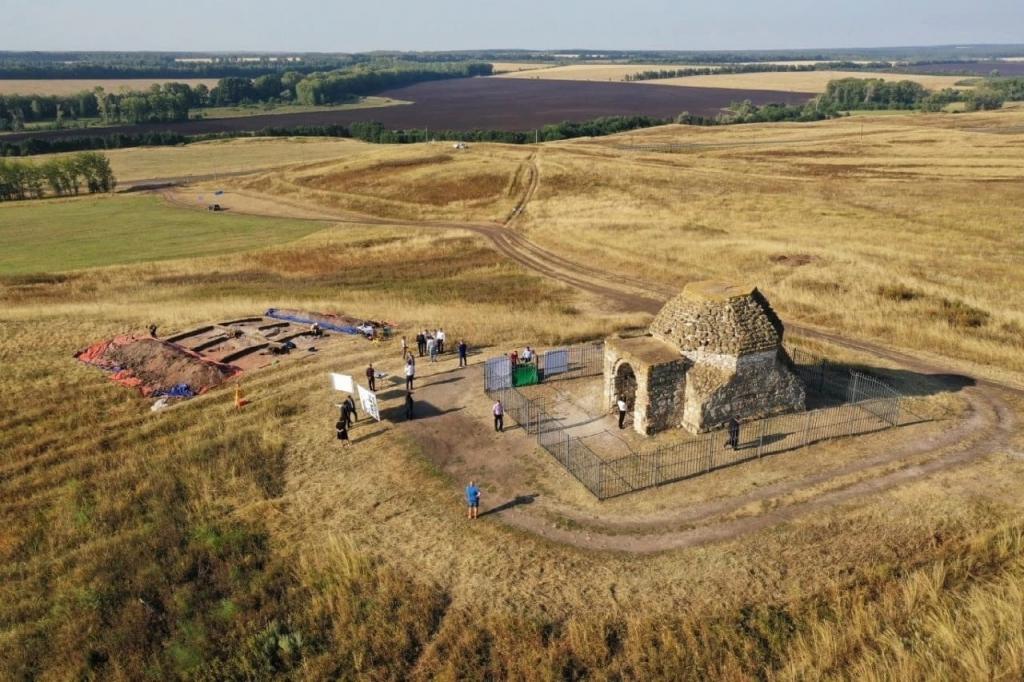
x=421 y=343
x=348 y=411
x=371 y=378
x=342 y=430
x=463 y=350
x=734 y=434
x=352 y=416
x=408 y=405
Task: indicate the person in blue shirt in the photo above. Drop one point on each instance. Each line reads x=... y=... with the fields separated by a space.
x=473 y=500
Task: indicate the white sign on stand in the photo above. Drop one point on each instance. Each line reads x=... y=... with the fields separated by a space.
x=369 y=402
x=342 y=382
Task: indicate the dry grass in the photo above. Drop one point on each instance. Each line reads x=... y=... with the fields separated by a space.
x=505 y=67
x=73 y=86
x=225 y=156
x=799 y=81
x=592 y=72
x=423 y=181
x=828 y=218
x=205 y=542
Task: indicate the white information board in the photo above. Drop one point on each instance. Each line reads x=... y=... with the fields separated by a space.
x=368 y=400
x=342 y=382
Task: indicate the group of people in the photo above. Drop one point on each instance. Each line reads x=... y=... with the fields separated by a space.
x=428 y=343
x=432 y=344
x=527 y=357
x=347 y=418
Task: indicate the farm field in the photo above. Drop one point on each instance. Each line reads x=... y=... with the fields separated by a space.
x=60 y=86
x=223 y=157
x=799 y=81
x=57 y=235
x=590 y=72
x=256 y=110
x=208 y=541
x=504 y=67
x=1005 y=67
x=485 y=103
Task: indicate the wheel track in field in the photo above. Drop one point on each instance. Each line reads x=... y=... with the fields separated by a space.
x=989 y=425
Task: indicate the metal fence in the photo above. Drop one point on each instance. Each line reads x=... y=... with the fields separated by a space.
x=570 y=362
x=859 y=404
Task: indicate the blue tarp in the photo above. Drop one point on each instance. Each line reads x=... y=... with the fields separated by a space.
x=177 y=391
x=344 y=329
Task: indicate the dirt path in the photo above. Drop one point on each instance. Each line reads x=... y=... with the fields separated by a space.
x=454 y=440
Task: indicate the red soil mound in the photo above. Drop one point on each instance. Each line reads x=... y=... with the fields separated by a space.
x=154 y=366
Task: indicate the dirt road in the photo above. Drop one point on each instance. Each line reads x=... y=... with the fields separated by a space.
x=987 y=429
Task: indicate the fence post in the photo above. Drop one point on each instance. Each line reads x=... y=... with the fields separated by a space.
x=711 y=449
x=760 y=438
x=807 y=427
x=853 y=389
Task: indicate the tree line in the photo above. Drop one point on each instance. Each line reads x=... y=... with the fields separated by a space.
x=365 y=131
x=175 y=101
x=340 y=86
x=874 y=93
x=102 y=65
x=652 y=74
x=62 y=176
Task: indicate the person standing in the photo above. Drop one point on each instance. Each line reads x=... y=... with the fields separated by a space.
x=350 y=404
x=463 y=351
x=421 y=343
x=440 y=340
x=622 y=412
x=405 y=346
x=432 y=348
x=499 y=416
x=734 y=434
x=514 y=359
x=371 y=377
x=472 y=500
x=410 y=375
x=342 y=432
x=408 y=405
x=527 y=355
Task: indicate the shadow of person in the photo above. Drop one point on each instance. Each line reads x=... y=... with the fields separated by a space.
x=514 y=502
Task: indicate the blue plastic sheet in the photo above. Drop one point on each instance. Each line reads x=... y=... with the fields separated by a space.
x=176 y=391
x=344 y=329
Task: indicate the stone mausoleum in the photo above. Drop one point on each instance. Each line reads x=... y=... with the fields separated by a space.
x=713 y=352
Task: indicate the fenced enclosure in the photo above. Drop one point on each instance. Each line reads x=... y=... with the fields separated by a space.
x=851 y=403
x=571 y=362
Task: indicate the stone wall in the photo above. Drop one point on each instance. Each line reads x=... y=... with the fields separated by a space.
x=761 y=386
x=730 y=325
x=660 y=380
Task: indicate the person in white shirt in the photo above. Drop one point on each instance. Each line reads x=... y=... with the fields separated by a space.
x=499 y=416
x=410 y=374
x=440 y=340
x=527 y=355
x=623 y=407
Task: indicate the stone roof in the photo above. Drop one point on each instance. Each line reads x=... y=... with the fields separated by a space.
x=645 y=349
x=719 y=317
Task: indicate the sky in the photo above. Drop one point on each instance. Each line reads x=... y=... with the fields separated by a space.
x=346 y=26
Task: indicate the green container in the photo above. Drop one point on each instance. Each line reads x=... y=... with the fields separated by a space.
x=525 y=375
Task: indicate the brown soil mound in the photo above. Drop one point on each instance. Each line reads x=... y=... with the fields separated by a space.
x=154 y=366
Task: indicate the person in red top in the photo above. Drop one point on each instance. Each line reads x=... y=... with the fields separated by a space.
x=514 y=357
x=371 y=378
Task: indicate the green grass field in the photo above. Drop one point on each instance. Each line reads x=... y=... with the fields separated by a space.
x=70 y=234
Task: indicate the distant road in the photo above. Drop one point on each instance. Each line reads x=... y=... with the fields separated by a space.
x=477 y=103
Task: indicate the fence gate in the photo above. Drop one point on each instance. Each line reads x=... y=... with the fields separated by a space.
x=498 y=374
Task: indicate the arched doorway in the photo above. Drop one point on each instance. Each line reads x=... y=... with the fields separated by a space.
x=625 y=384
